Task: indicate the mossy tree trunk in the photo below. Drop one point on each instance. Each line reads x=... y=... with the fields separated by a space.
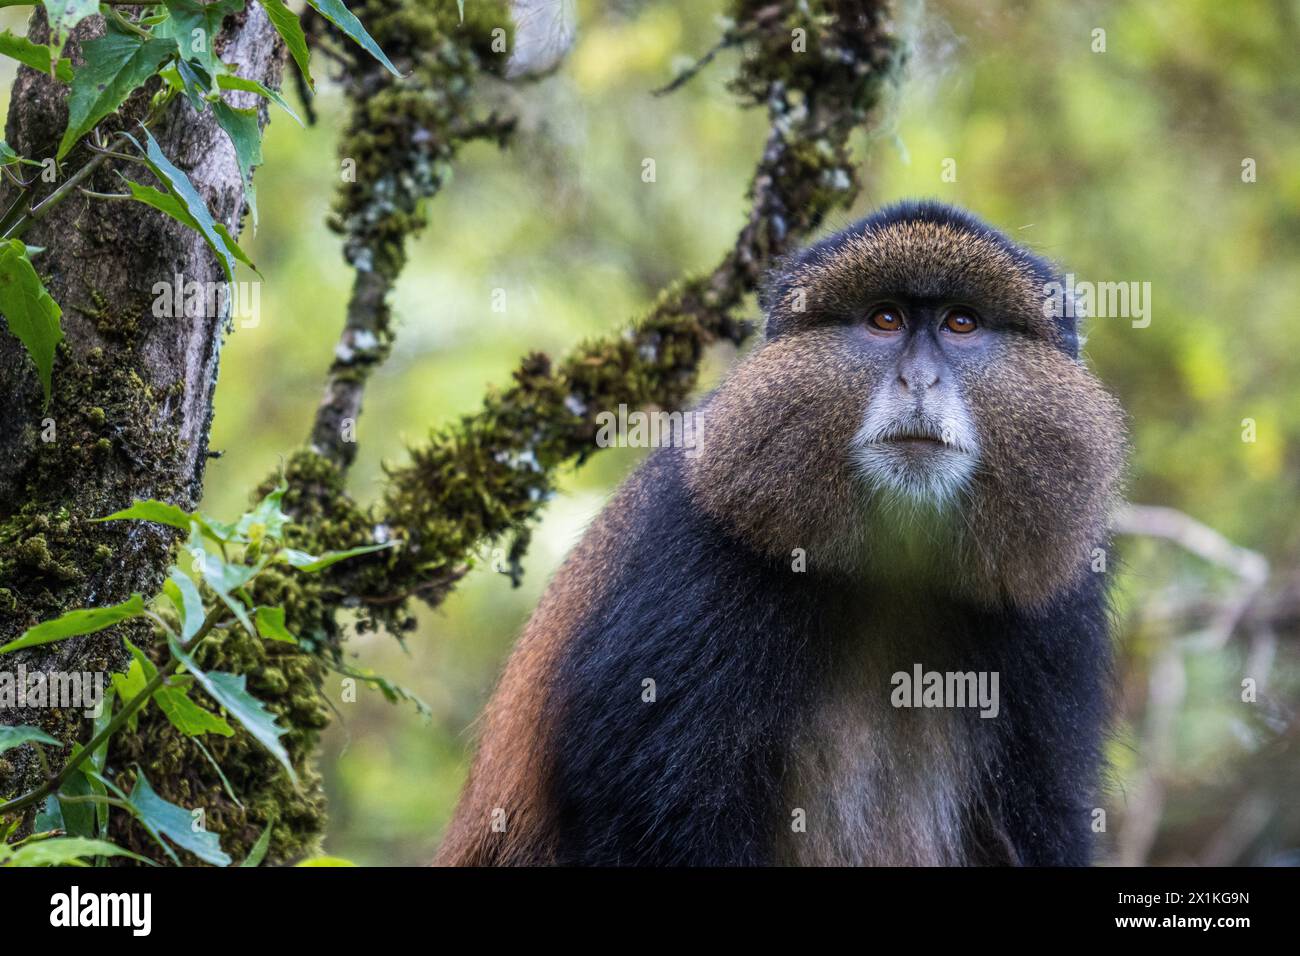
x=132 y=398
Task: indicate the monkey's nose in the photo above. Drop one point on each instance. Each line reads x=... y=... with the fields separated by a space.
x=918 y=378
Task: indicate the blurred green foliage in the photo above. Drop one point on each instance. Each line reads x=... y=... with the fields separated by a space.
x=1125 y=165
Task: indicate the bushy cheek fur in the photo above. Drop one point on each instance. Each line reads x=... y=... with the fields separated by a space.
x=1051 y=453
x=778 y=434
x=779 y=468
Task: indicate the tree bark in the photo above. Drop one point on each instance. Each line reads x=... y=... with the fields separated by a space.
x=132 y=396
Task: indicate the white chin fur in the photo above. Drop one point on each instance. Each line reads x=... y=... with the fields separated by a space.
x=933 y=474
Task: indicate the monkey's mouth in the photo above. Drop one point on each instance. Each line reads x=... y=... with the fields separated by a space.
x=916 y=456
x=914 y=441
x=920 y=438
x=917 y=451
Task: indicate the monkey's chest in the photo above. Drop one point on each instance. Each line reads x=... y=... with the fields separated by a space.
x=872 y=779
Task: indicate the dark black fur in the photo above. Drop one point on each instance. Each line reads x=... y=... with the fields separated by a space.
x=738 y=646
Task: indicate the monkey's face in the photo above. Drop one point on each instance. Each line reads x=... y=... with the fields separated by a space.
x=918 y=441
x=914 y=395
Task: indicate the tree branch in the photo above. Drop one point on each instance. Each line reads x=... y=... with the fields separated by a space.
x=492 y=472
x=402 y=136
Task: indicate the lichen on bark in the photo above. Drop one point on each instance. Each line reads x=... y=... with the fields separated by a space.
x=396 y=154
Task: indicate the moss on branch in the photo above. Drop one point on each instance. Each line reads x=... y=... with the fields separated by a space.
x=396 y=154
x=819 y=69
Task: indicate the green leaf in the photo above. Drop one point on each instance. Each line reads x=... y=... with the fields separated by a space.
x=229 y=690
x=151 y=510
x=64 y=15
x=19 y=734
x=188 y=717
x=289 y=27
x=99 y=758
x=336 y=13
x=116 y=64
x=180 y=188
x=8 y=157
x=172 y=699
x=393 y=693
x=35 y=55
x=270 y=624
x=66 y=851
x=309 y=562
x=229 y=81
x=33 y=316
x=164 y=819
x=246 y=136
x=240 y=610
x=258 y=853
x=222 y=532
x=73 y=623
x=94 y=765
x=130 y=684
x=224 y=577
x=195 y=81
x=50 y=816
x=233 y=248
x=78 y=818
x=194 y=27
x=167 y=203
x=184 y=594
x=326 y=861
x=221 y=575
x=266 y=520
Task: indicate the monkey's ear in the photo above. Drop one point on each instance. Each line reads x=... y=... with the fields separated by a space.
x=1064 y=310
x=774 y=294
x=778 y=292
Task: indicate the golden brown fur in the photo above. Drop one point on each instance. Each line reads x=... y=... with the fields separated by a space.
x=511 y=763
x=775 y=461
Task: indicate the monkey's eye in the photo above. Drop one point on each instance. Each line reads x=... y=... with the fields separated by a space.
x=959 y=322
x=886 y=318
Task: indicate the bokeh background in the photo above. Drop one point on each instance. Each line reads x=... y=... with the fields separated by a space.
x=1126 y=165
